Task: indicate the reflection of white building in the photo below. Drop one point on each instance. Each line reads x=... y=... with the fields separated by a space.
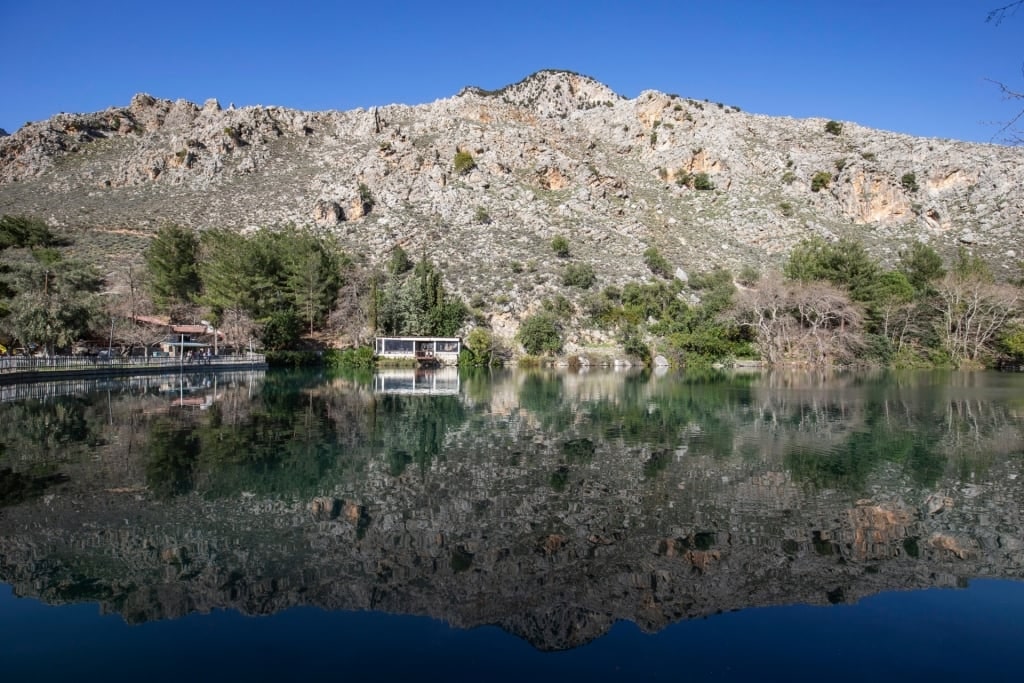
x=443 y=350
x=417 y=381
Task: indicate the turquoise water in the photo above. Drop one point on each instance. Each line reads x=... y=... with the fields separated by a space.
x=511 y=525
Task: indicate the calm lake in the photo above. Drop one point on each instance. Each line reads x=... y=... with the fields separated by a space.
x=513 y=525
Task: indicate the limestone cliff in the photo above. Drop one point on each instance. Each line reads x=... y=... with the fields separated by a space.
x=557 y=153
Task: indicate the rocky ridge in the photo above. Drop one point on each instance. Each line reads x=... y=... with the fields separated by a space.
x=557 y=153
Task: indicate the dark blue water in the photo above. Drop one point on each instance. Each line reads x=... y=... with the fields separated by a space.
x=972 y=634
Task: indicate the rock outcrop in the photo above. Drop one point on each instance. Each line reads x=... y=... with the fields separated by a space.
x=556 y=153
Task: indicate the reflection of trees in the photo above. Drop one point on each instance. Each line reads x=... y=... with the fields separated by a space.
x=173 y=451
x=41 y=433
x=413 y=429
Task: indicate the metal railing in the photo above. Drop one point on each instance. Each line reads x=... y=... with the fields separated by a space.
x=20 y=365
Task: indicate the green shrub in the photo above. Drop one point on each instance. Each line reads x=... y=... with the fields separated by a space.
x=840 y=165
x=820 y=181
x=560 y=245
x=684 y=179
x=748 y=276
x=559 y=306
x=359 y=357
x=657 y=263
x=479 y=350
x=787 y=209
x=579 y=275
x=833 y=128
x=788 y=177
x=481 y=216
x=909 y=182
x=633 y=344
x=366 y=198
x=702 y=181
x=293 y=359
x=540 y=334
x=464 y=162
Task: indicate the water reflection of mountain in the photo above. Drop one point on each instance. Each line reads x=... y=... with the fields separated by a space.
x=552 y=505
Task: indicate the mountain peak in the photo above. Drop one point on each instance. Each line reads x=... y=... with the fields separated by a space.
x=552 y=92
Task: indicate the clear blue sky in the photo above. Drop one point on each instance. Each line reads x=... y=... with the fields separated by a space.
x=915 y=66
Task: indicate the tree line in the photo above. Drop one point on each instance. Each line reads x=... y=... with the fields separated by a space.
x=281 y=289
x=289 y=288
x=831 y=304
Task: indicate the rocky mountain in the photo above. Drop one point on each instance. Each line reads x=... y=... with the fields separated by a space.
x=557 y=153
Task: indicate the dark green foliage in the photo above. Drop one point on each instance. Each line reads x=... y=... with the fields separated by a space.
x=748 y=276
x=909 y=182
x=54 y=302
x=558 y=305
x=922 y=265
x=540 y=334
x=17 y=487
x=633 y=344
x=461 y=560
x=172 y=459
x=716 y=289
x=560 y=245
x=702 y=181
x=479 y=349
x=833 y=128
x=844 y=263
x=559 y=479
x=400 y=262
x=280 y=330
x=21 y=231
x=657 y=263
x=284 y=358
x=463 y=162
x=578 y=451
x=172 y=262
x=272 y=277
x=418 y=304
x=579 y=275
x=820 y=181
x=657 y=463
x=786 y=208
x=366 y=198
x=360 y=357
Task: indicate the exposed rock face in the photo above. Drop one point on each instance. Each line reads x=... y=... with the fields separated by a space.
x=557 y=153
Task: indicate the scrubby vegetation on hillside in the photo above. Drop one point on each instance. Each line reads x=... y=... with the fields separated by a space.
x=832 y=303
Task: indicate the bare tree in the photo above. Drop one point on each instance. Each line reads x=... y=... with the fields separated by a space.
x=238 y=328
x=973 y=309
x=351 y=316
x=127 y=301
x=800 y=322
x=1009 y=130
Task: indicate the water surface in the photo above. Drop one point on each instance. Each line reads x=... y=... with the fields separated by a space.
x=626 y=526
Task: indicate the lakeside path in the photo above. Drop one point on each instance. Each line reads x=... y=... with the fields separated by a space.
x=17 y=369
